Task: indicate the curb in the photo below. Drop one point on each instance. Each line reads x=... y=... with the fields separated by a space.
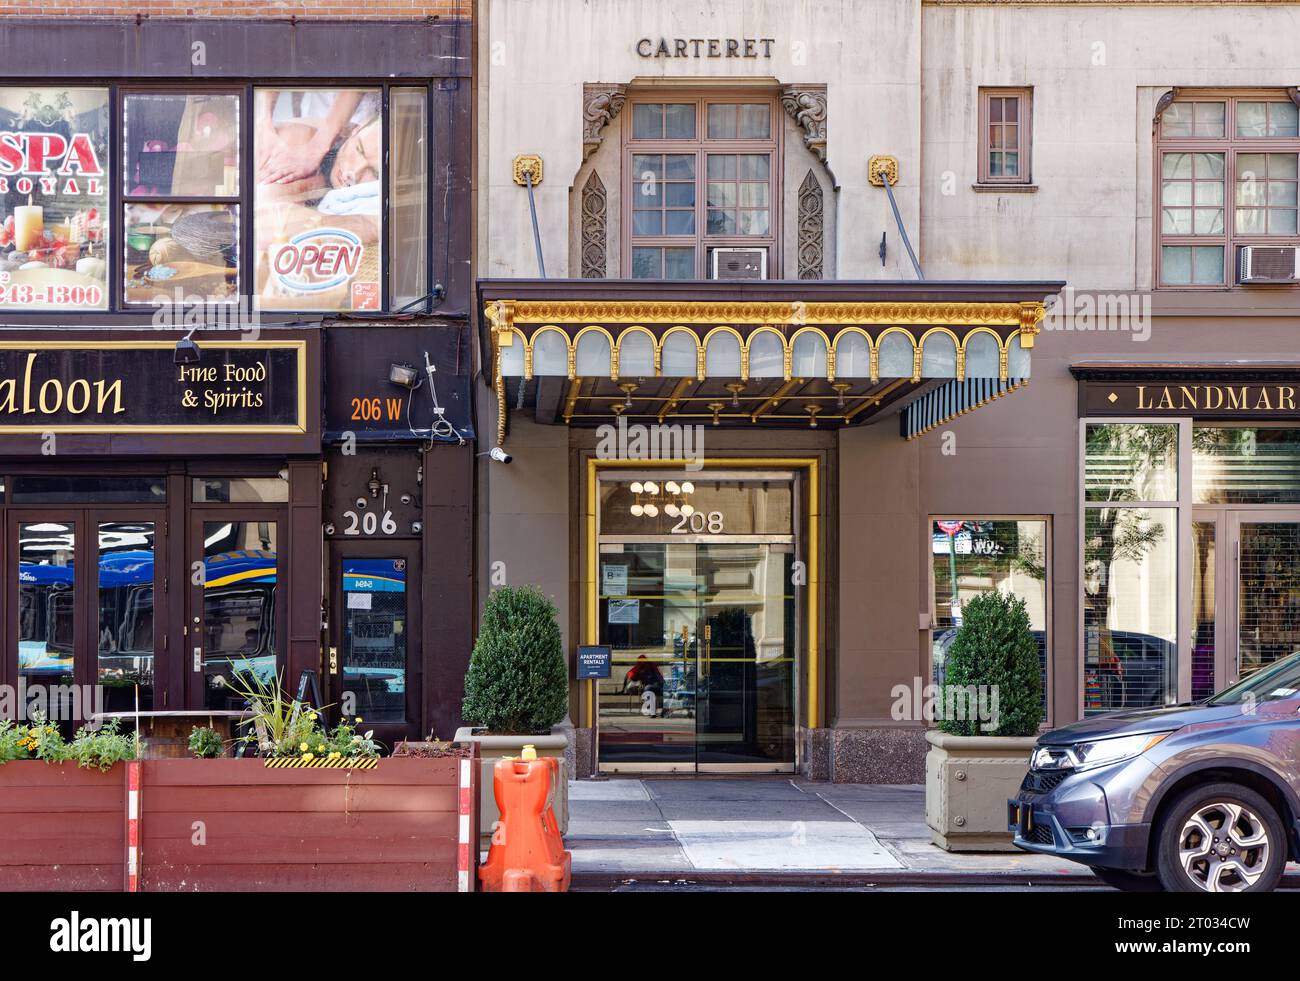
x=600 y=881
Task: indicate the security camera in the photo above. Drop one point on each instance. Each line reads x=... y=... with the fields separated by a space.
x=499 y=455
x=361 y=503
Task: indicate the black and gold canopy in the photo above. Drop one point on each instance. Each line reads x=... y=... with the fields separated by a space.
x=756 y=353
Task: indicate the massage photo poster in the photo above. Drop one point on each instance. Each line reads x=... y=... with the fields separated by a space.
x=318 y=168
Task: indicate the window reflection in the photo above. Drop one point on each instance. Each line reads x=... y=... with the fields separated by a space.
x=1131 y=462
x=126 y=613
x=1129 y=607
x=374 y=637
x=46 y=606
x=975 y=556
x=239 y=559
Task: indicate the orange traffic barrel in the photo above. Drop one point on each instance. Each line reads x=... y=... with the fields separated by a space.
x=527 y=852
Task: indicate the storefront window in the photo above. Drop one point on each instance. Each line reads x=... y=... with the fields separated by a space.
x=181 y=253
x=1268 y=618
x=46 y=602
x=1129 y=607
x=1131 y=462
x=126 y=613
x=239 y=586
x=1130 y=569
x=374 y=632
x=1245 y=465
x=408 y=205
x=976 y=555
x=240 y=490
x=318 y=167
x=1204 y=557
x=54 y=197
x=89 y=490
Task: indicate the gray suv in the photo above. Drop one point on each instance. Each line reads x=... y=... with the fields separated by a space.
x=1202 y=797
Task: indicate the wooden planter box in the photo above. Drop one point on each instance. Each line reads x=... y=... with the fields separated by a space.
x=62 y=828
x=235 y=825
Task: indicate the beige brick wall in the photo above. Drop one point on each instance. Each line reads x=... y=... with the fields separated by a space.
x=330 y=9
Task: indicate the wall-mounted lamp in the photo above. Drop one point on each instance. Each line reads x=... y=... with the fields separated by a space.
x=403 y=375
x=187 y=351
x=374 y=484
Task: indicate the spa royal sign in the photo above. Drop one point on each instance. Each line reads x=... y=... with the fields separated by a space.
x=106 y=387
x=53 y=198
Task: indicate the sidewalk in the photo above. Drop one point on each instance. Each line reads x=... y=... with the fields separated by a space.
x=711 y=827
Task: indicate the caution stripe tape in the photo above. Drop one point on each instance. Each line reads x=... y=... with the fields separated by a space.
x=321 y=763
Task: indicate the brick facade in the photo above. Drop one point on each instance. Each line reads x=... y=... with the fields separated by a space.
x=330 y=9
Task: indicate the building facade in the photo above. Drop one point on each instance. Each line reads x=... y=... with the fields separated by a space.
x=765 y=463
x=235 y=356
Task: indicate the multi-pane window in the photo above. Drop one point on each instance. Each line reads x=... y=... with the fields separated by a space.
x=699 y=175
x=297 y=199
x=1005 y=129
x=1227 y=170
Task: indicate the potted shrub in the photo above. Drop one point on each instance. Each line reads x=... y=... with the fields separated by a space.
x=990 y=707
x=516 y=691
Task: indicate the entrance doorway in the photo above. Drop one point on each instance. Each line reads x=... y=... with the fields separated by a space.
x=1245 y=593
x=85 y=600
x=374 y=666
x=697 y=604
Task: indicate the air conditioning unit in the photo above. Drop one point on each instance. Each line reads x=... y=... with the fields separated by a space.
x=738 y=263
x=1268 y=264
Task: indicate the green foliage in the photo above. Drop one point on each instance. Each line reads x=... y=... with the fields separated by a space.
x=284 y=726
x=518 y=681
x=995 y=650
x=206 y=743
x=41 y=740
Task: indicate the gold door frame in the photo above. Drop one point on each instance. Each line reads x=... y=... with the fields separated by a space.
x=591 y=596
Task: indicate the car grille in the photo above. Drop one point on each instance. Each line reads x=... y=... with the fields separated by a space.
x=1042 y=781
x=1041 y=835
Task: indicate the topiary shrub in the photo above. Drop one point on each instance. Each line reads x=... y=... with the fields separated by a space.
x=518 y=681
x=993 y=664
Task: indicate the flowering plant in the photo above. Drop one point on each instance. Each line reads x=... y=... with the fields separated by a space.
x=284 y=726
x=41 y=740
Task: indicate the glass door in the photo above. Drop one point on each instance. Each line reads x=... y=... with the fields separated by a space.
x=746 y=659
x=696 y=602
x=1266 y=621
x=374 y=654
x=235 y=624
x=83 y=607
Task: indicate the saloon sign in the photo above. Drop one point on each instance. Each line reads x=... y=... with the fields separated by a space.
x=134 y=386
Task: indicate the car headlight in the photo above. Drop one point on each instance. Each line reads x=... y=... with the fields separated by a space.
x=1094 y=753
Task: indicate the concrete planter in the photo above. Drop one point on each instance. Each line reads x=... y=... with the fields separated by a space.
x=967 y=782
x=493 y=747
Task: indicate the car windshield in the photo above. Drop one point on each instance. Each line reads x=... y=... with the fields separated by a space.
x=1279 y=680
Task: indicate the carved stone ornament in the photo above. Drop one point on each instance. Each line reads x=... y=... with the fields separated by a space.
x=811 y=228
x=601 y=104
x=593 y=228
x=1164 y=102
x=806 y=105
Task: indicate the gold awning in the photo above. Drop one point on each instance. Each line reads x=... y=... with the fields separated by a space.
x=735 y=362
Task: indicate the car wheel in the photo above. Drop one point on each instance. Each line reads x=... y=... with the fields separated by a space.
x=1129 y=881
x=1221 y=837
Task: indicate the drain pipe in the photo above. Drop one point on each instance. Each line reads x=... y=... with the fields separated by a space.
x=882 y=171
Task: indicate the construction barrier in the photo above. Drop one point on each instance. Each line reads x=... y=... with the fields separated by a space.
x=527 y=853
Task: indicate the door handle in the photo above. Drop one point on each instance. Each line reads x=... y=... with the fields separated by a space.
x=198 y=659
x=334 y=660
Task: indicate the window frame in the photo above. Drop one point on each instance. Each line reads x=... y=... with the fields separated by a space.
x=1230 y=145
x=245 y=88
x=1024 y=134
x=701 y=146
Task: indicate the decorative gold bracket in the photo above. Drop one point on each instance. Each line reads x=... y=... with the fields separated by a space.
x=878 y=162
x=528 y=163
